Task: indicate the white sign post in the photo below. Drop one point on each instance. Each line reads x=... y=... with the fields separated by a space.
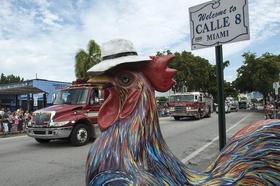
x=218 y=22
x=215 y=23
x=35 y=101
x=276 y=87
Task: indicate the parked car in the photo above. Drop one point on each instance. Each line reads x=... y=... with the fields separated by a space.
x=227 y=107
x=233 y=104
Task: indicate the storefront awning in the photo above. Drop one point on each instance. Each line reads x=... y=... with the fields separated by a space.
x=21 y=88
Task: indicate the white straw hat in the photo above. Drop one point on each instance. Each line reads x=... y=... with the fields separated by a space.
x=115 y=52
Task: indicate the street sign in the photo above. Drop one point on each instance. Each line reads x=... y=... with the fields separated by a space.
x=215 y=23
x=218 y=22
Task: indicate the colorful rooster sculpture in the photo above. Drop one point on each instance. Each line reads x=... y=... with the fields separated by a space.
x=131 y=149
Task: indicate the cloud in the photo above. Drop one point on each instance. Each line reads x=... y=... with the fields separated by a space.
x=38 y=43
x=41 y=36
x=151 y=25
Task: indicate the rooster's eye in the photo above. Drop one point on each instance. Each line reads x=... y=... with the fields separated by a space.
x=125 y=79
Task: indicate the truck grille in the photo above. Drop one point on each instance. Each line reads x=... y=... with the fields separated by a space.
x=180 y=109
x=40 y=132
x=41 y=118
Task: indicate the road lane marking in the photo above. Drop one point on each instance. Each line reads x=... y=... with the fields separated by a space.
x=195 y=153
x=8 y=138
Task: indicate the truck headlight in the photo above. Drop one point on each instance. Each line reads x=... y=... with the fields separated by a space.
x=171 y=109
x=59 y=123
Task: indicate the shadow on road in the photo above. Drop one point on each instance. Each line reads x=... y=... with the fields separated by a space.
x=55 y=144
x=186 y=119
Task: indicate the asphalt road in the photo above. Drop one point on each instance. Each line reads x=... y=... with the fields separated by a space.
x=24 y=162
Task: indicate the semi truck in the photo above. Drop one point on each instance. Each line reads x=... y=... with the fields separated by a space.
x=73 y=115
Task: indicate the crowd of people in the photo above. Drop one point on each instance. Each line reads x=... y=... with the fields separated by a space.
x=13 y=122
x=272 y=110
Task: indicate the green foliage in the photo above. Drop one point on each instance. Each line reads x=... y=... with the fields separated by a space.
x=230 y=90
x=245 y=73
x=162 y=101
x=84 y=60
x=258 y=73
x=196 y=73
x=192 y=71
x=10 y=79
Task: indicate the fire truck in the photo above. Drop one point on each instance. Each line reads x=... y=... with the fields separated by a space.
x=73 y=115
x=190 y=104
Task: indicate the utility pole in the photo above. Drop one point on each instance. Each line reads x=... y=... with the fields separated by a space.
x=221 y=102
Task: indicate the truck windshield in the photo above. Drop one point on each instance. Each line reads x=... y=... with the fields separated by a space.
x=71 y=96
x=178 y=98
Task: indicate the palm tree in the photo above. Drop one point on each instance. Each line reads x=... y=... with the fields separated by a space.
x=84 y=60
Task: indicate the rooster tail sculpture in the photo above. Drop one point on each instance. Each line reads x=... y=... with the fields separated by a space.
x=131 y=150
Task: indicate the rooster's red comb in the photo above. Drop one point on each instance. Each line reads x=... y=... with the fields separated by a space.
x=159 y=74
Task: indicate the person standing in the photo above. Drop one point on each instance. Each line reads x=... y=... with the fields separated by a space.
x=1 y=119
x=5 y=124
x=10 y=121
x=16 y=121
x=20 y=123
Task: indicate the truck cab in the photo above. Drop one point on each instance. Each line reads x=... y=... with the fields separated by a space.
x=72 y=116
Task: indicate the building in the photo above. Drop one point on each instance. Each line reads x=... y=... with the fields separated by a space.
x=29 y=95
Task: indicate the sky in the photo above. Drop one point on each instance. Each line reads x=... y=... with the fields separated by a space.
x=42 y=37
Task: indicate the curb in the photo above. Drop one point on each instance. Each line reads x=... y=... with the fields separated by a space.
x=13 y=134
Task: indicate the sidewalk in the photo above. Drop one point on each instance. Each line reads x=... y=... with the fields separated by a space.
x=12 y=134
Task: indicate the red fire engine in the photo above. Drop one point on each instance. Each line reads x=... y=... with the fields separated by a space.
x=190 y=104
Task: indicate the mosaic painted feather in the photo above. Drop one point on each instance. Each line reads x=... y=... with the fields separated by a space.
x=131 y=149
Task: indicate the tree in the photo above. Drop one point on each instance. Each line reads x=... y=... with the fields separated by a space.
x=192 y=71
x=161 y=101
x=84 y=60
x=230 y=90
x=258 y=73
x=245 y=74
x=10 y=79
x=196 y=73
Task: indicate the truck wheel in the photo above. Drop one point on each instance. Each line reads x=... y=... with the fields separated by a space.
x=80 y=135
x=42 y=140
x=177 y=118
